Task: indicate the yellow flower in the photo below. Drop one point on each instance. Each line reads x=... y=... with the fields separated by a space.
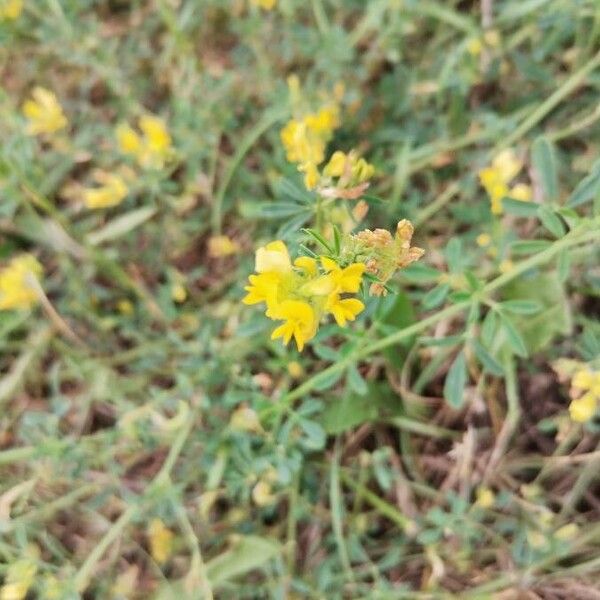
x=112 y=191
x=161 y=541
x=343 y=309
x=263 y=288
x=506 y=266
x=474 y=46
x=584 y=408
x=273 y=257
x=567 y=532
x=16 y=289
x=300 y=322
x=153 y=148
x=484 y=240
x=345 y=280
x=311 y=175
x=336 y=165
x=295 y=369
x=44 y=113
x=10 y=9
x=495 y=179
x=325 y=121
x=220 y=246
x=178 y=293
x=265 y=4
x=262 y=494
x=522 y=192
x=484 y=497
x=18 y=579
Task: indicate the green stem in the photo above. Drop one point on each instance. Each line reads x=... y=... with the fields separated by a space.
x=551 y=102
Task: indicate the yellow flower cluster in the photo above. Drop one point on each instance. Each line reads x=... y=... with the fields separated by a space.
x=496 y=179
x=300 y=294
x=10 y=9
x=16 y=289
x=111 y=191
x=265 y=4
x=383 y=254
x=43 y=112
x=352 y=174
x=305 y=138
x=585 y=388
x=153 y=148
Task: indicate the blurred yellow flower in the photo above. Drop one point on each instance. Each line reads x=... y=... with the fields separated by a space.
x=265 y=4
x=220 y=246
x=16 y=289
x=295 y=369
x=10 y=9
x=474 y=46
x=20 y=575
x=506 y=265
x=484 y=240
x=43 y=112
x=262 y=494
x=153 y=148
x=179 y=293
x=161 y=541
x=111 y=192
x=585 y=388
x=484 y=497
x=496 y=178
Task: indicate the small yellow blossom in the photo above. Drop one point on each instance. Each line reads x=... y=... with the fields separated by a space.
x=274 y=257
x=492 y=38
x=343 y=309
x=10 y=9
x=265 y=4
x=300 y=322
x=125 y=307
x=43 y=112
x=20 y=576
x=111 y=192
x=536 y=539
x=295 y=369
x=506 y=265
x=484 y=240
x=220 y=246
x=16 y=287
x=522 y=192
x=153 y=148
x=567 y=532
x=496 y=179
x=474 y=46
x=484 y=497
x=585 y=388
x=179 y=293
x=160 y=539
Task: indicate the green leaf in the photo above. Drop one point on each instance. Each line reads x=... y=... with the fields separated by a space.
x=487 y=360
x=563 y=265
x=355 y=381
x=529 y=247
x=522 y=307
x=121 y=225
x=436 y=296
x=543 y=158
x=588 y=188
x=488 y=327
x=319 y=239
x=419 y=273
x=554 y=319
x=551 y=221
x=519 y=208
x=249 y=553
x=515 y=339
x=456 y=379
x=454 y=254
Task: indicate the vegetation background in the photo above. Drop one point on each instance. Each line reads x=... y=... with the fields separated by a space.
x=154 y=443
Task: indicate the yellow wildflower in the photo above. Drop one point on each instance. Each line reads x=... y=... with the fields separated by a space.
x=343 y=309
x=484 y=240
x=178 y=293
x=311 y=175
x=220 y=246
x=20 y=575
x=496 y=179
x=265 y=4
x=16 y=289
x=506 y=265
x=474 y=46
x=567 y=532
x=160 y=539
x=484 y=497
x=111 y=192
x=300 y=322
x=10 y=9
x=585 y=388
x=153 y=148
x=492 y=38
x=44 y=112
x=295 y=369
x=299 y=294
x=336 y=165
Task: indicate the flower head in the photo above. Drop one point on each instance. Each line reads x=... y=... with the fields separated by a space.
x=220 y=246
x=111 y=191
x=585 y=388
x=10 y=9
x=160 y=539
x=496 y=178
x=302 y=292
x=153 y=148
x=43 y=112
x=16 y=286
